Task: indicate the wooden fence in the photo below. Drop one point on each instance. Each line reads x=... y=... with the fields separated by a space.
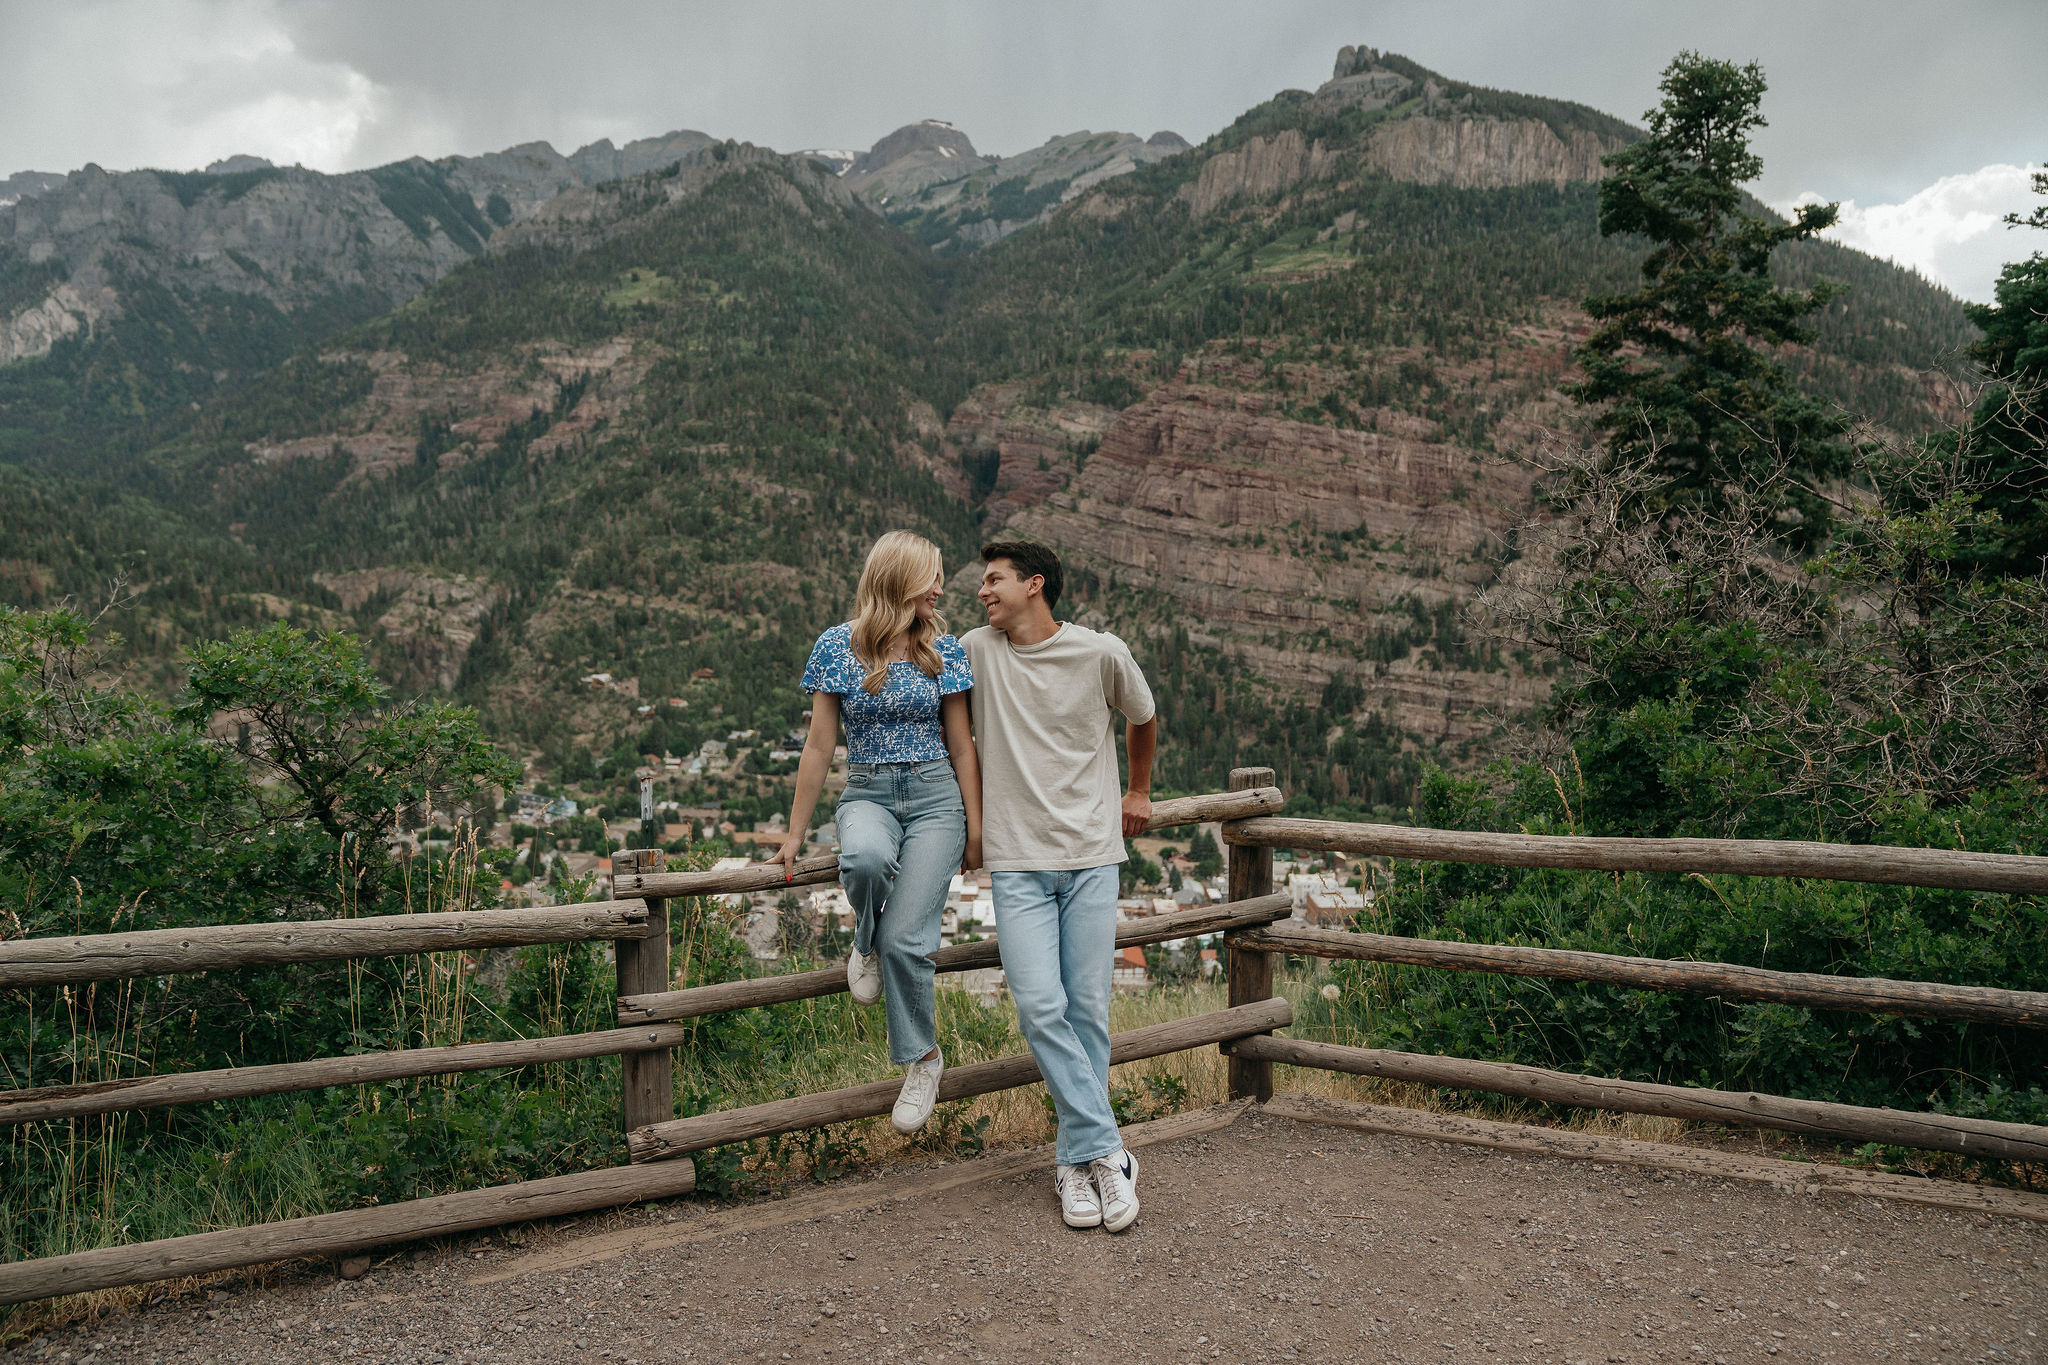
x=638 y=929
x=637 y=924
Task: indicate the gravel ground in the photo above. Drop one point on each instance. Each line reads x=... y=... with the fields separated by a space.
x=1266 y=1239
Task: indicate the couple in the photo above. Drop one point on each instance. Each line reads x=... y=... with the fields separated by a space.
x=996 y=744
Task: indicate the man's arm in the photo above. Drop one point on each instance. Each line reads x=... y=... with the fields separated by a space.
x=1141 y=741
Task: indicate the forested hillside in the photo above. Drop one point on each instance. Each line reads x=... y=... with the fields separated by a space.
x=1271 y=395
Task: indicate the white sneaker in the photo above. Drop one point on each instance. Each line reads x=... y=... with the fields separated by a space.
x=920 y=1093
x=1116 y=1182
x=864 y=977
x=1078 y=1203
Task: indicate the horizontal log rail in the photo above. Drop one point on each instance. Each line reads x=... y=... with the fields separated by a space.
x=1867 y=995
x=1170 y=814
x=335 y=1233
x=1814 y=1118
x=2014 y=873
x=957 y=957
x=197 y=1087
x=660 y=1141
x=163 y=952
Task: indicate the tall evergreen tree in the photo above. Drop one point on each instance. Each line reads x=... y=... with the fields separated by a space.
x=1683 y=365
x=2007 y=435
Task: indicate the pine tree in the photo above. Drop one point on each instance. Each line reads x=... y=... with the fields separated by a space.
x=2008 y=430
x=1683 y=365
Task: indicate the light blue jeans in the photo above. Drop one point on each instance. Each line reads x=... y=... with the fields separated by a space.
x=1057 y=935
x=902 y=831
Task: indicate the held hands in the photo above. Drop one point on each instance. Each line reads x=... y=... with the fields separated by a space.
x=971 y=859
x=1137 y=813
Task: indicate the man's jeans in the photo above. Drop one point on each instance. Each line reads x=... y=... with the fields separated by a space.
x=902 y=831
x=1057 y=935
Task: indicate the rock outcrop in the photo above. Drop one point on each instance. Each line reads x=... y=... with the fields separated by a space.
x=1302 y=548
x=1484 y=153
x=928 y=178
x=1256 y=170
x=427 y=622
x=292 y=237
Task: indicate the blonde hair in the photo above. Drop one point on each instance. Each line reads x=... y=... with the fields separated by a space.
x=900 y=570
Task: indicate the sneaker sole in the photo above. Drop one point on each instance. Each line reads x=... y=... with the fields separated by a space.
x=897 y=1124
x=1129 y=1219
x=1067 y=1218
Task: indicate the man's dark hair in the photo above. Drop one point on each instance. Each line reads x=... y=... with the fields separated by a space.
x=1031 y=560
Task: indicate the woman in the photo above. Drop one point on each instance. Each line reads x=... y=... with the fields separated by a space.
x=911 y=813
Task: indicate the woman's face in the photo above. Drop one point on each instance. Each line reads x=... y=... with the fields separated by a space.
x=927 y=603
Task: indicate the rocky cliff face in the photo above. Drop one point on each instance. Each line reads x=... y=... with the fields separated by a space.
x=291 y=237
x=1310 y=550
x=1484 y=153
x=1260 y=168
x=928 y=179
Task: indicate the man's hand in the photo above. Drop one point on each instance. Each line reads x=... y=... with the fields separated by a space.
x=1137 y=813
x=971 y=859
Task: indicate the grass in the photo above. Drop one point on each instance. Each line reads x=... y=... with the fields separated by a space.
x=267 y=1162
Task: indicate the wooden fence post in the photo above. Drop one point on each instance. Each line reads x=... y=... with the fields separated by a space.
x=1251 y=973
x=648 y=1078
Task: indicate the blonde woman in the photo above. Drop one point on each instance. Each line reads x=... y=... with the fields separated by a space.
x=911 y=813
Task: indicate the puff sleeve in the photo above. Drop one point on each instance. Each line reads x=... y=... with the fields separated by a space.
x=955 y=673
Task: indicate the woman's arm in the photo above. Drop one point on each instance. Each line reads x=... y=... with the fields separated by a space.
x=955 y=721
x=810 y=774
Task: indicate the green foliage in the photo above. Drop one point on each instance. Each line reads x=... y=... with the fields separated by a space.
x=1154 y=1097
x=420 y=195
x=323 y=725
x=2004 y=446
x=1711 y=407
x=24 y=283
x=191 y=186
x=1801 y=926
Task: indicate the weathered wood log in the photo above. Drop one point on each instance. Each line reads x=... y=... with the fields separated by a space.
x=161 y=952
x=331 y=1233
x=646 y=1079
x=1169 y=814
x=759 y=877
x=1815 y=1118
x=1864 y=994
x=664 y=1140
x=2015 y=873
x=1239 y=803
x=198 y=1087
x=956 y=957
x=1251 y=970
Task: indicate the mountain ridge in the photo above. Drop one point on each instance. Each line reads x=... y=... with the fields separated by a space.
x=1276 y=438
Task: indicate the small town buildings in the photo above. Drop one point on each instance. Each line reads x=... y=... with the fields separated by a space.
x=1129 y=972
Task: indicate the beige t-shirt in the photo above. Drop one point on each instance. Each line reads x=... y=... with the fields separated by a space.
x=1050 y=798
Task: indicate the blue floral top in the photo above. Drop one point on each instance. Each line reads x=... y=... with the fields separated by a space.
x=901 y=723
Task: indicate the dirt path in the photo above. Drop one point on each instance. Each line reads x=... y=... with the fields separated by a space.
x=1262 y=1237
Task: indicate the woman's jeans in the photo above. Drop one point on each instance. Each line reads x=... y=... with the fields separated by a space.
x=1056 y=932
x=902 y=831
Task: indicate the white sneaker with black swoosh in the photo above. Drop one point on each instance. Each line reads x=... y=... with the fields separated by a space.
x=1116 y=1185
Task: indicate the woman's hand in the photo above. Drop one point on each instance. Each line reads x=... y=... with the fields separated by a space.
x=792 y=846
x=971 y=859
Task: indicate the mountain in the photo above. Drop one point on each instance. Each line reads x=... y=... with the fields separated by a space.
x=1267 y=395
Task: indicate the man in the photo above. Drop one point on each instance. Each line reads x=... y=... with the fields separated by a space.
x=1053 y=828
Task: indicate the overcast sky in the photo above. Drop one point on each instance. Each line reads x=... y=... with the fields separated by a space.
x=1921 y=117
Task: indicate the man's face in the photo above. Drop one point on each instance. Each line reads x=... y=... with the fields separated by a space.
x=1006 y=596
